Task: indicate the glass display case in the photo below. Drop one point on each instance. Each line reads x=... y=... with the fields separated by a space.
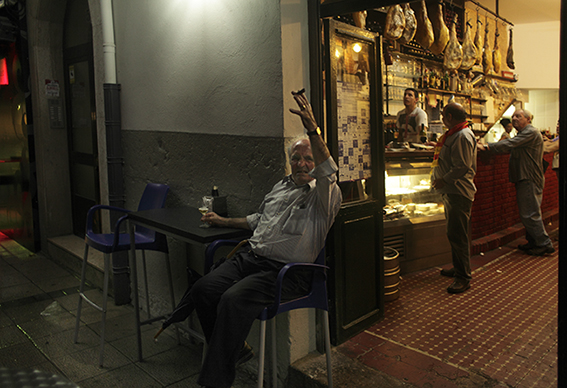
x=408 y=189
x=414 y=215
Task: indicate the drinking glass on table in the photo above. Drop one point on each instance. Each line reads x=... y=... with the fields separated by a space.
x=207 y=206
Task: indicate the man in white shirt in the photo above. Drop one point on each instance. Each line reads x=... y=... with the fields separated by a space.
x=411 y=119
x=290 y=226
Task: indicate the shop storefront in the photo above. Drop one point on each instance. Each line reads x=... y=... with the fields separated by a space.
x=364 y=69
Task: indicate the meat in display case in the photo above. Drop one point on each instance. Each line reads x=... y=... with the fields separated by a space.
x=408 y=189
x=414 y=216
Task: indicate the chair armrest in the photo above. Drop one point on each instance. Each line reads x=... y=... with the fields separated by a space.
x=212 y=248
x=95 y=208
x=287 y=267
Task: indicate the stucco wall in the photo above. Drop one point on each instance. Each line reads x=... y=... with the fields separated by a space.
x=200 y=66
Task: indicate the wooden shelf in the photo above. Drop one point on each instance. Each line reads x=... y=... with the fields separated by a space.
x=441 y=91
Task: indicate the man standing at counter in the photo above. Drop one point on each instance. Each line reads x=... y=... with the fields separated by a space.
x=290 y=226
x=525 y=171
x=454 y=168
x=411 y=120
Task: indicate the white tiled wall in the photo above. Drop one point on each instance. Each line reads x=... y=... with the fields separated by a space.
x=544 y=105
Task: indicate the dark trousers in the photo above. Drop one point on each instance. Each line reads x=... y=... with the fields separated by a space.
x=227 y=301
x=529 y=198
x=458 y=215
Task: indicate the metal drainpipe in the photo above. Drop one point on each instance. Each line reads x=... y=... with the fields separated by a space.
x=115 y=160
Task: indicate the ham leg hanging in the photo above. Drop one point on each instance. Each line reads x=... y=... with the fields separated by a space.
x=411 y=25
x=395 y=22
x=486 y=53
x=360 y=19
x=424 y=34
x=478 y=42
x=510 y=54
x=469 y=50
x=453 y=55
x=496 y=55
x=441 y=32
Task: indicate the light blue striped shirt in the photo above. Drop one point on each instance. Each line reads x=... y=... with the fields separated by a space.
x=293 y=221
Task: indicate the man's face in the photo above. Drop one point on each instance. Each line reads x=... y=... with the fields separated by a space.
x=409 y=98
x=519 y=121
x=301 y=163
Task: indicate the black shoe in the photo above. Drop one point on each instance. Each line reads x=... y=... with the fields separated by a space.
x=540 y=251
x=450 y=273
x=458 y=286
x=245 y=354
x=526 y=247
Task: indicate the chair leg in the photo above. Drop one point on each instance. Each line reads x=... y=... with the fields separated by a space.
x=135 y=288
x=328 y=347
x=261 y=354
x=171 y=292
x=274 y=356
x=205 y=349
x=81 y=291
x=146 y=284
x=104 y=304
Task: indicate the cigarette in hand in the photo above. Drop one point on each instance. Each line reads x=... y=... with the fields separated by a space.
x=298 y=92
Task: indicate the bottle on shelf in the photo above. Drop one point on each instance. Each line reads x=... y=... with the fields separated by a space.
x=422 y=134
x=437 y=81
x=215 y=191
x=446 y=81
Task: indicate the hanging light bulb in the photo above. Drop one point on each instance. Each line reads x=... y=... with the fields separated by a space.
x=357 y=47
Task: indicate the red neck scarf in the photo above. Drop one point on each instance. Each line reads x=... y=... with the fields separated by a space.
x=441 y=141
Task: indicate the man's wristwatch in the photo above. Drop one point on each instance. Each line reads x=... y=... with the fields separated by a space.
x=316 y=131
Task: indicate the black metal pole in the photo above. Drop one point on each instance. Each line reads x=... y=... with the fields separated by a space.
x=115 y=163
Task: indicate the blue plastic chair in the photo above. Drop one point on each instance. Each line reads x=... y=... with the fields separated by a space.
x=316 y=298
x=153 y=198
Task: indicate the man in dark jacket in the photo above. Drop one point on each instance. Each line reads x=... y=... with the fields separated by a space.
x=526 y=172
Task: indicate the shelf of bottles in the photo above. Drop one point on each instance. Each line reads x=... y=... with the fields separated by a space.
x=432 y=82
x=403 y=73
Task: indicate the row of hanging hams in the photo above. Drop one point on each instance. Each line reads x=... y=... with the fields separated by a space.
x=403 y=25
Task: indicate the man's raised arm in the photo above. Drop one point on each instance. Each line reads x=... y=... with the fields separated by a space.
x=318 y=146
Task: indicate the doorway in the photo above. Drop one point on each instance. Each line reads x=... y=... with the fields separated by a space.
x=18 y=193
x=81 y=113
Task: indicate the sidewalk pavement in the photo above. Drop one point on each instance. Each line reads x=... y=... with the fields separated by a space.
x=500 y=333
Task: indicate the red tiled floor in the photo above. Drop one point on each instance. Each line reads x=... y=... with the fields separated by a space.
x=504 y=327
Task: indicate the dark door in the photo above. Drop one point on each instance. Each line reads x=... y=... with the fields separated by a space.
x=354 y=114
x=81 y=124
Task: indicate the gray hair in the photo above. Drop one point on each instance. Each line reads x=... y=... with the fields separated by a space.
x=293 y=144
x=527 y=114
